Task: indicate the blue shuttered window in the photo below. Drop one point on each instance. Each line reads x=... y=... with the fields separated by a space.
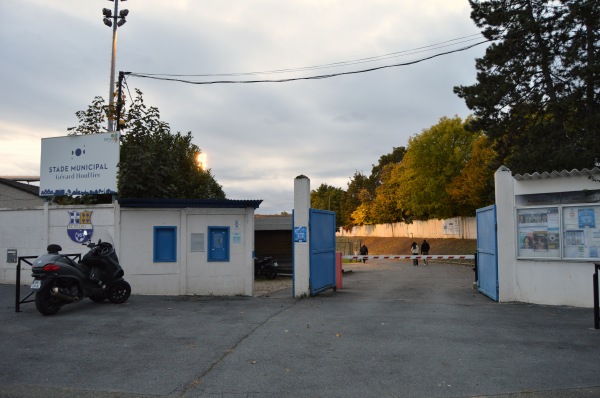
x=165 y=244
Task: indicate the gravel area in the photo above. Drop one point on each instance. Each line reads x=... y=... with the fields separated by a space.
x=263 y=286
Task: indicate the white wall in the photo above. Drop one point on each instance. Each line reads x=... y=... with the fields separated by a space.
x=543 y=281
x=132 y=232
x=31 y=231
x=432 y=229
x=20 y=230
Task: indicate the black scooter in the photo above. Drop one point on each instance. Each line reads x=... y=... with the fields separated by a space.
x=267 y=267
x=59 y=280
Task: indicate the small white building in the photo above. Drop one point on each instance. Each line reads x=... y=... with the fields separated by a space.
x=548 y=236
x=165 y=246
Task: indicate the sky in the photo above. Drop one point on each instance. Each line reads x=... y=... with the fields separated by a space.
x=258 y=137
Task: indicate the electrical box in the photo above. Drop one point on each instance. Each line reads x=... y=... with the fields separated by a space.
x=11 y=255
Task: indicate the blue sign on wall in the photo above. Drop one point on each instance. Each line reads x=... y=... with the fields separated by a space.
x=300 y=234
x=587 y=218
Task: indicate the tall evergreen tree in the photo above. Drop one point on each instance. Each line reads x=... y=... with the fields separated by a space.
x=537 y=91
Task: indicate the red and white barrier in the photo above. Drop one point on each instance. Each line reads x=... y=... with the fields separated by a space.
x=408 y=257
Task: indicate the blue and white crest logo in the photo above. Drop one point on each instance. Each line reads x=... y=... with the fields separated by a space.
x=78 y=223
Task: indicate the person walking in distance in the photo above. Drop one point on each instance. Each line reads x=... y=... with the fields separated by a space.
x=414 y=249
x=425 y=251
x=363 y=252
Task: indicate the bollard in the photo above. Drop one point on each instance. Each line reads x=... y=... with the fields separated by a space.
x=476 y=283
x=338 y=270
x=596 y=299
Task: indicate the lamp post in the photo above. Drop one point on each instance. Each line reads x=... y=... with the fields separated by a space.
x=114 y=20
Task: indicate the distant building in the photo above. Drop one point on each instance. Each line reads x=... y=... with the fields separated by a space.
x=273 y=237
x=17 y=195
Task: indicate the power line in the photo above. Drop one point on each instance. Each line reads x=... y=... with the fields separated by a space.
x=431 y=47
x=158 y=77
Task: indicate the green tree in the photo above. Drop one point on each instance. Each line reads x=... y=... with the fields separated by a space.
x=537 y=92
x=361 y=191
x=386 y=206
x=395 y=157
x=93 y=120
x=154 y=163
x=327 y=197
x=433 y=159
x=473 y=188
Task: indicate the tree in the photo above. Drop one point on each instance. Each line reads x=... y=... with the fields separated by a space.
x=433 y=159
x=473 y=188
x=361 y=191
x=537 y=91
x=154 y=163
x=327 y=197
x=386 y=206
x=394 y=157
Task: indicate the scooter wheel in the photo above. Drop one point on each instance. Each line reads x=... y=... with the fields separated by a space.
x=271 y=274
x=119 y=292
x=46 y=303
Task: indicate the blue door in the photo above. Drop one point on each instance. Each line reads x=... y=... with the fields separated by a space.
x=487 y=253
x=322 y=250
x=218 y=243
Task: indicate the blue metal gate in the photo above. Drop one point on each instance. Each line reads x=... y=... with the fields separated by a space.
x=487 y=253
x=322 y=250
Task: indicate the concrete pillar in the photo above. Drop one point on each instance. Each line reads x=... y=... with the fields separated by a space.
x=505 y=204
x=301 y=236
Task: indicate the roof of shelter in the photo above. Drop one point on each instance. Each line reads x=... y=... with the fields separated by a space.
x=190 y=203
x=32 y=189
x=558 y=174
x=272 y=222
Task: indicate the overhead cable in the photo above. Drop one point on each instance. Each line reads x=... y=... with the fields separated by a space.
x=166 y=78
x=431 y=47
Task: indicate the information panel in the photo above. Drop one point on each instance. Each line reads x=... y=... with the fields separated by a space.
x=538 y=232
x=581 y=234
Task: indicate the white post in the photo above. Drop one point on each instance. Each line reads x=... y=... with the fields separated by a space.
x=301 y=236
x=505 y=204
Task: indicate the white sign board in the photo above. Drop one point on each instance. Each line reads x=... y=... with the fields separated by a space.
x=78 y=165
x=452 y=226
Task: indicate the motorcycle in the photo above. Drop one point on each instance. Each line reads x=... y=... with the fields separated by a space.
x=267 y=267
x=59 y=280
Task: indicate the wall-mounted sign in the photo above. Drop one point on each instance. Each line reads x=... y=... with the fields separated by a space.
x=451 y=226
x=79 y=223
x=78 y=165
x=300 y=234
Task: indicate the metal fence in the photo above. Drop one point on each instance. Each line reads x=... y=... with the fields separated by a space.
x=348 y=247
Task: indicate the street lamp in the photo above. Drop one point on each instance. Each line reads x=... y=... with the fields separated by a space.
x=114 y=20
x=201 y=160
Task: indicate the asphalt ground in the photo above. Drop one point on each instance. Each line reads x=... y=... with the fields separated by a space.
x=393 y=330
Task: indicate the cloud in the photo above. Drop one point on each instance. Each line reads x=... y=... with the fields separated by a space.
x=258 y=137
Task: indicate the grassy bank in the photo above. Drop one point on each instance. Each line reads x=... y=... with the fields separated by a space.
x=402 y=245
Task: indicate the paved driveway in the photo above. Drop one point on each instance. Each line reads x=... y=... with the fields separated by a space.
x=394 y=330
